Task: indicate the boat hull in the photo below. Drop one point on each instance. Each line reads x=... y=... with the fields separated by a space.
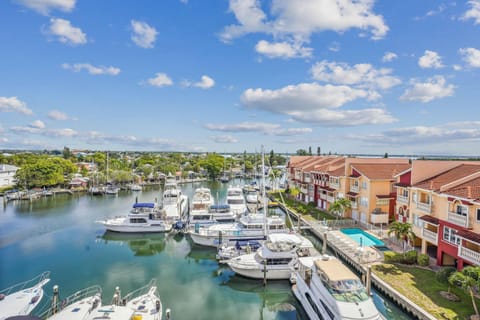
x=215 y=241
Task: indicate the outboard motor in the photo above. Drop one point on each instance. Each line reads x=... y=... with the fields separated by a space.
x=179 y=225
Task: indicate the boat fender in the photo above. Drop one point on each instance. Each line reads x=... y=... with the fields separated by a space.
x=167 y=314
x=157 y=305
x=2 y=296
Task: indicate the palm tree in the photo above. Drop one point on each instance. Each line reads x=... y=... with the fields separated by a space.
x=339 y=206
x=294 y=192
x=402 y=231
x=467 y=279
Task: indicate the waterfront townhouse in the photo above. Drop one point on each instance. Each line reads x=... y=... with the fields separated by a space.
x=369 y=185
x=299 y=175
x=442 y=201
x=327 y=178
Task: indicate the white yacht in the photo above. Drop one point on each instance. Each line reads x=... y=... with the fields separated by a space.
x=175 y=203
x=136 y=187
x=249 y=227
x=327 y=289
x=276 y=259
x=201 y=201
x=144 y=217
x=22 y=298
x=251 y=196
x=141 y=304
x=235 y=200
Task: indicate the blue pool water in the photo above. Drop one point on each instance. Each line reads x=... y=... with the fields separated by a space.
x=361 y=237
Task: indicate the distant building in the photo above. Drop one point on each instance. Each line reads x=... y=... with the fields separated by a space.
x=7 y=174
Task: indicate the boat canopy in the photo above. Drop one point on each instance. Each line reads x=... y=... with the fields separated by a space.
x=144 y=205
x=220 y=207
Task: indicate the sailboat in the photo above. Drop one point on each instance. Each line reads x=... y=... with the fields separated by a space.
x=110 y=189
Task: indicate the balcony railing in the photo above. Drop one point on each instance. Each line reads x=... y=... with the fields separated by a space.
x=470 y=255
x=335 y=185
x=354 y=205
x=426 y=207
x=354 y=188
x=379 y=217
x=458 y=219
x=402 y=199
x=330 y=199
x=430 y=236
x=323 y=196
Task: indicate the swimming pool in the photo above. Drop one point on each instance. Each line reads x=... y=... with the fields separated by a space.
x=361 y=237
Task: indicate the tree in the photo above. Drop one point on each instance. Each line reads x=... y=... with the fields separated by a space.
x=318 y=151
x=339 y=206
x=301 y=152
x=468 y=279
x=213 y=163
x=310 y=151
x=402 y=231
x=66 y=153
x=385 y=155
x=294 y=192
x=271 y=158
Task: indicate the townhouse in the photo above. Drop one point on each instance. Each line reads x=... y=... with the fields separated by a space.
x=441 y=199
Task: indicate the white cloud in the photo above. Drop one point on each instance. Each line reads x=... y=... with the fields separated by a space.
x=77 y=67
x=334 y=47
x=467 y=131
x=205 y=83
x=471 y=56
x=58 y=115
x=143 y=35
x=457 y=67
x=430 y=59
x=160 y=80
x=389 y=56
x=38 y=124
x=45 y=6
x=473 y=12
x=314 y=103
x=363 y=75
x=66 y=132
x=12 y=104
x=298 y=20
x=283 y=50
x=224 y=139
x=65 y=32
x=262 y=127
x=434 y=88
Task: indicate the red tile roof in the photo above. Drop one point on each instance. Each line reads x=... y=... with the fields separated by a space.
x=380 y=171
x=449 y=176
x=468 y=190
x=475 y=237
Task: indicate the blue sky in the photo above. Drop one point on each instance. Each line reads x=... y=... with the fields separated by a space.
x=360 y=76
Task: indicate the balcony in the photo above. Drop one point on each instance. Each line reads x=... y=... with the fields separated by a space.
x=354 y=188
x=430 y=236
x=425 y=207
x=334 y=185
x=323 y=196
x=458 y=219
x=470 y=255
x=402 y=199
x=381 y=217
x=354 y=205
x=330 y=199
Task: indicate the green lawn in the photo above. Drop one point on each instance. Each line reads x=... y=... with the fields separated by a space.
x=422 y=287
x=303 y=208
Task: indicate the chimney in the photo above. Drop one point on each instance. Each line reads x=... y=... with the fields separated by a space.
x=431 y=184
x=469 y=192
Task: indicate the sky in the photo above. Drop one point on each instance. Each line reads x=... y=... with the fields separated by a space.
x=348 y=76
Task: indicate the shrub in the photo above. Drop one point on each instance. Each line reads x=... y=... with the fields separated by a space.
x=390 y=256
x=410 y=257
x=423 y=259
x=444 y=273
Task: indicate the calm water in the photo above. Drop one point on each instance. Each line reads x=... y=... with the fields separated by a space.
x=59 y=234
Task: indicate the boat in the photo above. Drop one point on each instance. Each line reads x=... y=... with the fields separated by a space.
x=276 y=259
x=21 y=298
x=144 y=217
x=227 y=252
x=135 y=187
x=249 y=227
x=327 y=289
x=201 y=201
x=252 y=197
x=141 y=304
x=175 y=203
x=111 y=190
x=235 y=200
x=96 y=190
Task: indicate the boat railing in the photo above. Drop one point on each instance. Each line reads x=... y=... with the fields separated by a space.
x=26 y=284
x=139 y=292
x=50 y=309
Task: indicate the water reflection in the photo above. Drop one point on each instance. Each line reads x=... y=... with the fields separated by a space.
x=140 y=244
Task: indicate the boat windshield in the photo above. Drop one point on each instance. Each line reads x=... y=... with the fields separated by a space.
x=351 y=290
x=235 y=201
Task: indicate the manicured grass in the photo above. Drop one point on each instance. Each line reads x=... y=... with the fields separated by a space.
x=421 y=286
x=304 y=209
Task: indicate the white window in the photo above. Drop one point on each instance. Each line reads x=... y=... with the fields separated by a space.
x=414 y=197
x=462 y=210
x=364 y=184
x=340 y=195
x=417 y=221
x=404 y=192
x=364 y=201
x=450 y=235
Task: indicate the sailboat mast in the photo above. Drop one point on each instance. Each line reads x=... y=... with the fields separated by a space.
x=264 y=197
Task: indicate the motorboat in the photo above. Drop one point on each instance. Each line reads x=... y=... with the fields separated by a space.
x=144 y=217
x=141 y=304
x=252 y=197
x=111 y=190
x=253 y=226
x=77 y=306
x=326 y=288
x=136 y=187
x=201 y=201
x=21 y=298
x=276 y=259
x=235 y=200
x=215 y=214
x=175 y=203
x=227 y=252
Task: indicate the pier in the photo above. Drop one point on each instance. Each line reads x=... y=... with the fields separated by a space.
x=358 y=258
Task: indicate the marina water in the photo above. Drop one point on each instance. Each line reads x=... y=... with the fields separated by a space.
x=59 y=234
